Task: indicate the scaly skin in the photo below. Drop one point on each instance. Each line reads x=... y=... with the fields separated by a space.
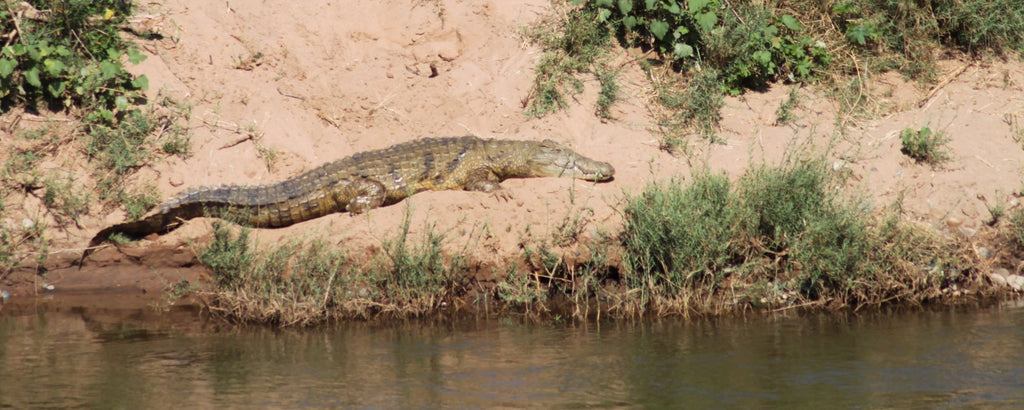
x=367 y=180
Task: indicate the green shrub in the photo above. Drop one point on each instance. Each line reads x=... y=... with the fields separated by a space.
x=777 y=203
x=906 y=33
x=924 y=146
x=678 y=238
x=1017 y=226
x=70 y=57
x=746 y=43
x=572 y=47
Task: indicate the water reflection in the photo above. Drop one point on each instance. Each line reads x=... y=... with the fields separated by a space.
x=142 y=358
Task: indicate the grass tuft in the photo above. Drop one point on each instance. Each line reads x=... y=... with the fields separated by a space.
x=303 y=283
x=925 y=146
x=573 y=45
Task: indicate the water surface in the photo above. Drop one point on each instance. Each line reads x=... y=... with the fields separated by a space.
x=144 y=358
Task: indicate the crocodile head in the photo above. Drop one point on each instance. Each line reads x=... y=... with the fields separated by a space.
x=551 y=159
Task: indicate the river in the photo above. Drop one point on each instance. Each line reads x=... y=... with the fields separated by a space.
x=146 y=358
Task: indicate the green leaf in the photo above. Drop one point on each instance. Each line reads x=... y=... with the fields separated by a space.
x=763 y=57
x=659 y=28
x=103 y=114
x=844 y=7
x=603 y=14
x=33 y=53
x=121 y=102
x=680 y=32
x=706 y=21
x=857 y=34
x=696 y=5
x=649 y=4
x=32 y=77
x=141 y=83
x=109 y=69
x=7 y=67
x=56 y=88
x=604 y=3
x=625 y=6
x=790 y=22
x=16 y=50
x=674 y=8
x=629 y=22
x=53 y=66
x=135 y=57
x=682 y=50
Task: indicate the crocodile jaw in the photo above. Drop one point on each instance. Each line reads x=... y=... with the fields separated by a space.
x=552 y=159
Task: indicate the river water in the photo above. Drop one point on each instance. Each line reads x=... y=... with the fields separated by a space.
x=103 y=358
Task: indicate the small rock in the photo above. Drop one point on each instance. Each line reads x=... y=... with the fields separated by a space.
x=997 y=280
x=968 y=232
x=866 y=206
x=1016 y=282
x=954 y=222
x=4 y=295
x=984 y=253
x=838 y=165
x=47 y=286
x=27 y=223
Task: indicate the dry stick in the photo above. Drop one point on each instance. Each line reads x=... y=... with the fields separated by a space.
x=814 y=302
x=17 y=24
x=327 y=292
x=236 y=142
x=287 y=94
x=942 y=84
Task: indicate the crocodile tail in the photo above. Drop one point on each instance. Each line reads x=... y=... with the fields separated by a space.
x=134 y=230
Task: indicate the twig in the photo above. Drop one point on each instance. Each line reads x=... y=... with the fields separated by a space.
x=247 y=137
x=733 y=10
x=813 y=302
x=942 y=84
x=286 y=94
x=17 y=24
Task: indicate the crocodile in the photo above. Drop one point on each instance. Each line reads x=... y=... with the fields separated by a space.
x=368 y=180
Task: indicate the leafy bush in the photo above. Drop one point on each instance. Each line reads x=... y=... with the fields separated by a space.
x=906 y=33
x=574 y=47
x=923 y=145
x=746 y=43
x=69 y=56
x=678 y=237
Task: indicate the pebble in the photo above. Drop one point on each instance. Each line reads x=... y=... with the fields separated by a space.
x=954 y=222
x=1016 y=282
x=866 y=206
x=968 y=232
x=27 y=223
x=984 y=253
x=997 y=279
x=4 y=295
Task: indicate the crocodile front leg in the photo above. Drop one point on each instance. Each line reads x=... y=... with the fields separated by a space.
x=482 y=180
x=367 y=194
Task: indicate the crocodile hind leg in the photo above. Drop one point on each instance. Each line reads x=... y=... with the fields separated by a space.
x=369 y=194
